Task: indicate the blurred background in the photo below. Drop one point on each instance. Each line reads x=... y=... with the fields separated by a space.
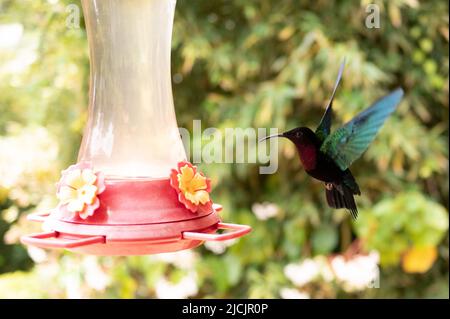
x=246 y=63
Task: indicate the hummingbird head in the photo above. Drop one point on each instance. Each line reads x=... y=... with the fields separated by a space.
x=299 y=136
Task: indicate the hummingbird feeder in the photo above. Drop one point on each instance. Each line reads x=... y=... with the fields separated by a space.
x=132 y=190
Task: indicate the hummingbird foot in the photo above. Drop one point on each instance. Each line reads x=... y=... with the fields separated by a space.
x=329 y=186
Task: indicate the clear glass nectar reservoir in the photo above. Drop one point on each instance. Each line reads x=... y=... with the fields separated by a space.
x=131 y=130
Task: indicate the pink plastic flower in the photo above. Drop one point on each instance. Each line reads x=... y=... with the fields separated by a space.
x=193 y=187
x=78 y=189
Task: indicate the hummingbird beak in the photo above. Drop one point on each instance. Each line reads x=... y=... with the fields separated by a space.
x=270 y=136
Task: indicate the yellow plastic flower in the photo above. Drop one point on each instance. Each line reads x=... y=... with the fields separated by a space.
x=78 y=190
x=193 y=187
x=419 y=259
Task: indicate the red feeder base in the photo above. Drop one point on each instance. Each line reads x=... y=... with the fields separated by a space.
x=134 y=218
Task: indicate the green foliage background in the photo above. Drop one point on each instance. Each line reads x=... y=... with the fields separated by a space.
x=246 y=63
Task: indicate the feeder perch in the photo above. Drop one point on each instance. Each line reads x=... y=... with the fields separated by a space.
x=132 y=191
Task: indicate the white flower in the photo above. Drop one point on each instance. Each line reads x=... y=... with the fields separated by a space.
x=95 y=277
x=325 y=270
x=302 y=273
x=73 y=286
x=357 y=273
x=38 y=255
x=292 y=293
x=183 y=259
x=219 y=247
x=265 y=210
x=309 y=270
x=185 y=288
x=10 y=35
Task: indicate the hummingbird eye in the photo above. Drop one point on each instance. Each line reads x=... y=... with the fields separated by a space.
x=298 y=134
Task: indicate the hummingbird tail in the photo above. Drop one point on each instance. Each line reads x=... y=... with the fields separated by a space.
x=341 y=196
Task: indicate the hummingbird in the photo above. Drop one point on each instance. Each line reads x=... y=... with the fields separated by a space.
x=327 y=157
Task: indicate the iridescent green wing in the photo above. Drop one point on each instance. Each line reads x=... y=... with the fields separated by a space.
x=347 y=143
x=323 y=130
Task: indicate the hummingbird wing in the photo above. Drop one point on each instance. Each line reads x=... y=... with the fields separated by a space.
x=323 y=130
x=347 y=143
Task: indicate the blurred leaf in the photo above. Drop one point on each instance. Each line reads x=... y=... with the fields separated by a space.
x=324 y=239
